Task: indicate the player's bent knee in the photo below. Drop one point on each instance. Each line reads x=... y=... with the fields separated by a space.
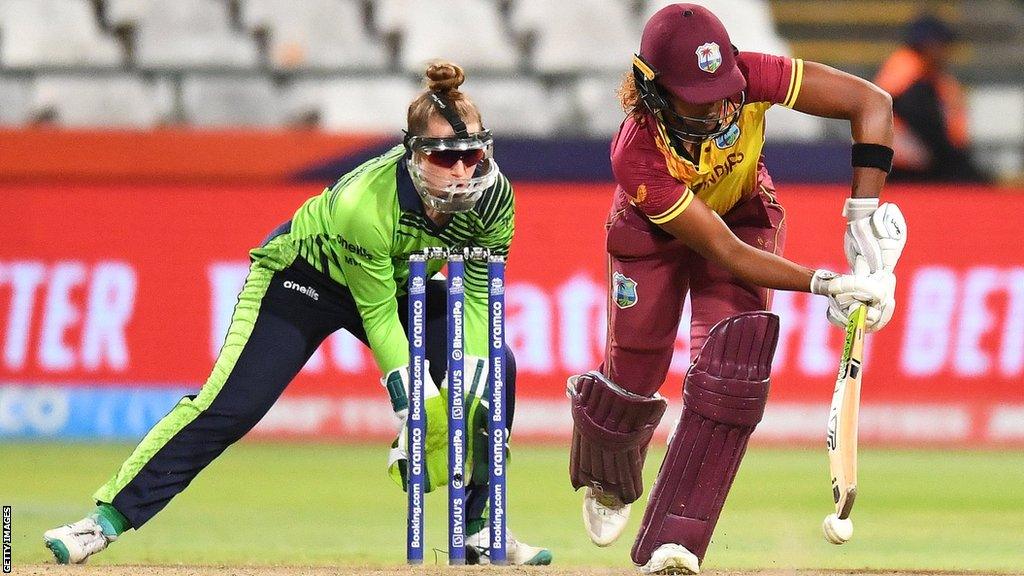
x=612 y=428
x=724 y=397
x=728 y=382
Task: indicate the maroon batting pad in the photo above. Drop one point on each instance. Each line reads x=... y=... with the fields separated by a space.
x=611 y=430
x=724 y=395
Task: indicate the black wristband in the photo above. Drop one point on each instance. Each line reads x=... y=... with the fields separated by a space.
x=872 y=156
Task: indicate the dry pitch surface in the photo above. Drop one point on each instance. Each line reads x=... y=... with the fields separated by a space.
x=53 y=570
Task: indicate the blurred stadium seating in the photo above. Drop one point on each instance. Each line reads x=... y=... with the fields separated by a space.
x=566 y=37
x=538 y=68
x=313 y=34
x=54 y=33
x=117 y=101
x=180 y=34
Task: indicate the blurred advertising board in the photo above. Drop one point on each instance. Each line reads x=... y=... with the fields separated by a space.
x=114 y=300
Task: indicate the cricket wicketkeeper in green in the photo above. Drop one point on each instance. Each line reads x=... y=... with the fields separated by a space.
x=341 y=262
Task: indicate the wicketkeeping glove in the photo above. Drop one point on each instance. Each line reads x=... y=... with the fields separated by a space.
x=436 y=409
x=396 y=383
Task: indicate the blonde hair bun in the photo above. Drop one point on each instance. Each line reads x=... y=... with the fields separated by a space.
x=444 y=76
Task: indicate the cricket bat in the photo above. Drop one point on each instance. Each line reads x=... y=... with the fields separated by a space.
x=842 y=418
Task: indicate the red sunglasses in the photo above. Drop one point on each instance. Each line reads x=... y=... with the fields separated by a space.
x=449 y=158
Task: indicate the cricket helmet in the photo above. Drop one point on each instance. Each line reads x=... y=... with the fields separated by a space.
x=686 y=52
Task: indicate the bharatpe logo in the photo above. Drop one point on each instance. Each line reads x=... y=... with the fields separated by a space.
x=307 y=290
x=456 y=316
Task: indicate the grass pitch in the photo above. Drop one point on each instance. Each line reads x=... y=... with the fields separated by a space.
x=319 y=505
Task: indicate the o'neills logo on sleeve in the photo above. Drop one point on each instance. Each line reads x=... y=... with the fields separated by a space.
x=354 y=248
x=307 y=290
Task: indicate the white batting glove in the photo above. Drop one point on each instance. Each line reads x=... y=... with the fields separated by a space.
x=874 y=234
x=875 y=291
x=878 y=315
x=869 y=289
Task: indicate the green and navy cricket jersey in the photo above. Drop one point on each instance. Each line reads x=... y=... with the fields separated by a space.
x=361 y=231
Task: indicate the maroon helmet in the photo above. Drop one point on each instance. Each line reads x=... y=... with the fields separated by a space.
x=686 y=52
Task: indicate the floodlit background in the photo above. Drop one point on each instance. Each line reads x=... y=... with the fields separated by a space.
x=146 y=145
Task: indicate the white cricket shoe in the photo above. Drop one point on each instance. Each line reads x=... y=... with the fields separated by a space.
x=671 y=559
x=604 y=516
x=478 y=550
x=74 y=543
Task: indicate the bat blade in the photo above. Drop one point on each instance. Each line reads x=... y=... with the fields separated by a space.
x=841 y=439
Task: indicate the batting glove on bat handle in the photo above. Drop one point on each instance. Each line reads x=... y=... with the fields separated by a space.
x=870 y=289
x=846 y=292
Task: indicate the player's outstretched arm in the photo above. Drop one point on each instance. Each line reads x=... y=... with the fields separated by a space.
x=703 y=231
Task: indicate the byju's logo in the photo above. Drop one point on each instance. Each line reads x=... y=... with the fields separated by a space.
x=307 y=290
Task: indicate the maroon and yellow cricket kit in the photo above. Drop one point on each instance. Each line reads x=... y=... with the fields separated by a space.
x=650 y=271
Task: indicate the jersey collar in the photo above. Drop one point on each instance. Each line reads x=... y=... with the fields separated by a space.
x=408 y=197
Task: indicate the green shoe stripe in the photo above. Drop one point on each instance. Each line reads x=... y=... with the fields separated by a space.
x=60 y=551
x=110 y=520
x=188 y=409
x=542 y=558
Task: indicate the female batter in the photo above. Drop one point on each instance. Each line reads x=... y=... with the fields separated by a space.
x=695 y=212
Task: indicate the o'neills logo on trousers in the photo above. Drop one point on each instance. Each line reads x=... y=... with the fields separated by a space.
x=307 y=290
